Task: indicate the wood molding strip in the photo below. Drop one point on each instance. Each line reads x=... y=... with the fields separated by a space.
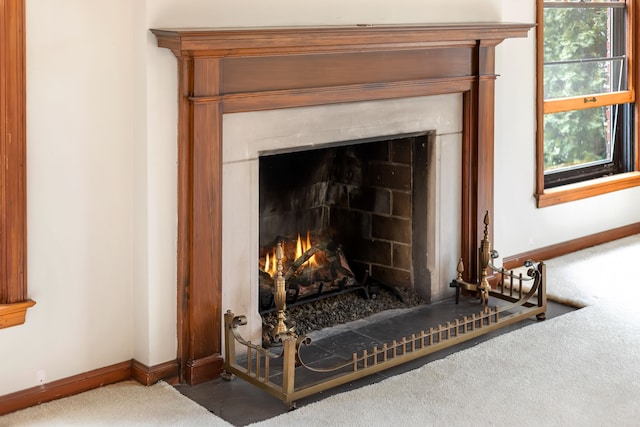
x=80 y=383
x=583 y=190
x=565 y=248
x=65 y=387
x=146 y=375
x=261 y=101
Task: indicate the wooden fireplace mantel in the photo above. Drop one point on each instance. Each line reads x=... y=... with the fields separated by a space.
x=253 y=69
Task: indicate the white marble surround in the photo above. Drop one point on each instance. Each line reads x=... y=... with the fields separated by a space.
x=247 y=135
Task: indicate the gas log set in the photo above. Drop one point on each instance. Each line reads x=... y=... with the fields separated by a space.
x=313 y=268
x=321 y=290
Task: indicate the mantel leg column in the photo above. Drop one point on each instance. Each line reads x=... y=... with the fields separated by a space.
x=200 y=232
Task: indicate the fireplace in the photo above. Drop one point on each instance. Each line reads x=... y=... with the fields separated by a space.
x=227 y=76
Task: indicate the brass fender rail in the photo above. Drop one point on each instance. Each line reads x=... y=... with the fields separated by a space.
x=257 y=367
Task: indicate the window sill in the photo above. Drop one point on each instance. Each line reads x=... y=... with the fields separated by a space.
x=14 y=314
x=583 y=190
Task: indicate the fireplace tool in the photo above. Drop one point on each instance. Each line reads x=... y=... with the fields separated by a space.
x=255 y=365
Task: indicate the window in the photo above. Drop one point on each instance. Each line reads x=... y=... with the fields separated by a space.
x=586 y=136
x=13 y=282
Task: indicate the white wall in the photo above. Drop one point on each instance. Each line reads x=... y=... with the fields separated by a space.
x=101 y=124
x=79 y=178
x=233 y=13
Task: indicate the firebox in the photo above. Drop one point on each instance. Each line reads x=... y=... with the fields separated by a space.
x=347 y=215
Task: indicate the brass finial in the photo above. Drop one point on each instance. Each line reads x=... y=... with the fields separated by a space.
x=280 y=292
x=485 y=258
x=486 y=225
x=460 y=269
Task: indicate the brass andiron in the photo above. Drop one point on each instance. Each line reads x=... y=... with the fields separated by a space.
x=484 y=256
x=280 y=295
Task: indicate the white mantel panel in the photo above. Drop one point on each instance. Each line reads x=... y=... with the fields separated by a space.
x=444 y=213
x=246 y=135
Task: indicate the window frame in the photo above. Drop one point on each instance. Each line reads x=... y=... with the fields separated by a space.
x=595 y=186
x=13 y=225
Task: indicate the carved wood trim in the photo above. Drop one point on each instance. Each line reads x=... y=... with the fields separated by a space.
x=148 y=375
x=234 y=70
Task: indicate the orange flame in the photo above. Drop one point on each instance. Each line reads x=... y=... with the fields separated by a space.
x=302 y=247
x=299 y=248
x=266 y=263
x=270 y=262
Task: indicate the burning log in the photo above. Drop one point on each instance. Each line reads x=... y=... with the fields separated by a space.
x=320 y=270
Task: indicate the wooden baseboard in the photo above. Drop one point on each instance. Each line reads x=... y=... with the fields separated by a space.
x=65 y=387
x=145 y=375
x=76 y=384
x=565 y=248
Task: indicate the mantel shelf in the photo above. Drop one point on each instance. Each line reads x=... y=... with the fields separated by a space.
x=274 y=40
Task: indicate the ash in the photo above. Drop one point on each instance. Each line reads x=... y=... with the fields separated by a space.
x=344 y=308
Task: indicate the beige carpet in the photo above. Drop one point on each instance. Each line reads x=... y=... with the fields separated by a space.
x=123 y=404
x=579 y=369
x=602 y=274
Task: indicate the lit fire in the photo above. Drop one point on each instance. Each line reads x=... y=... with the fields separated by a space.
x=269 y=265
x=270 y=262
x=302 y=247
